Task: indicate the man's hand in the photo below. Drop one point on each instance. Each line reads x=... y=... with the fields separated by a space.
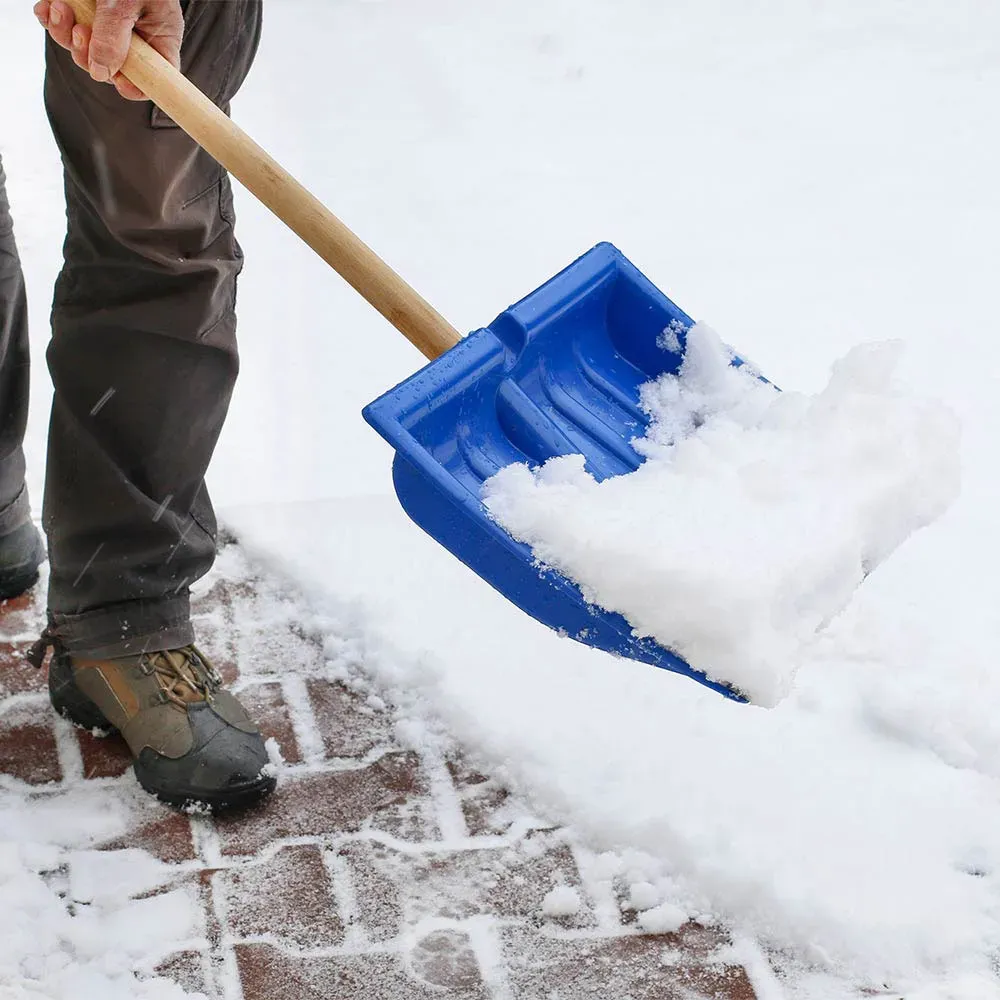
x=101 y=51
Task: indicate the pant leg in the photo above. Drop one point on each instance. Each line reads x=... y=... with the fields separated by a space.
x=143 y=352
x=14 y=508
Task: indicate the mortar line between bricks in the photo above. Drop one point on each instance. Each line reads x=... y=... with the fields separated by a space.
x=221 y=970
x=303 y=719
x=23 y=699
x=334 y=840
x=488 y=949
x=68 y=751
x=447 y=804
x=272 y=848
x=205 y=839
x=227 y=981
x=466 y=844
x=246 y=678
x=208 y=972
x=345 y=897
x=339 y=765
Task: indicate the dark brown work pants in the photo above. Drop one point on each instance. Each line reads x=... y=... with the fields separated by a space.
x=143 y=351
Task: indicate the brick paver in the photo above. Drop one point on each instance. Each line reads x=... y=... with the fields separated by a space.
x=375 y=872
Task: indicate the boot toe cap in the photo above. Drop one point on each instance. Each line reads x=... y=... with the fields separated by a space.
x=225 y=768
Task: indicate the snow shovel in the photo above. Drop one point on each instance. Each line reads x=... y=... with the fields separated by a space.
x=558 y=373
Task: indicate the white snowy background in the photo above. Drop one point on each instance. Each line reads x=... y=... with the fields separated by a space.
x=803 y=176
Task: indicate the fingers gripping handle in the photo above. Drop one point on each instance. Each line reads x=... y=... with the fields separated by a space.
x=267 y=180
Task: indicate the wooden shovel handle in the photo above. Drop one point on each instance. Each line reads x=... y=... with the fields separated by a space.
x=302 y=212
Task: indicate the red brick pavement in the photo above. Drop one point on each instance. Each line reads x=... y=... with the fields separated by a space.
x=373 y=872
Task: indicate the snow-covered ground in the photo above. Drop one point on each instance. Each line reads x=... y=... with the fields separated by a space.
x=69 y=923
x=803 y=177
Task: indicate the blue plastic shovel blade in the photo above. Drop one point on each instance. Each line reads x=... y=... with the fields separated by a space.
x=557 y=374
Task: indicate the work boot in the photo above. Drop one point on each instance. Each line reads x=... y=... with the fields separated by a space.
x=21 y=553
x=192 y=742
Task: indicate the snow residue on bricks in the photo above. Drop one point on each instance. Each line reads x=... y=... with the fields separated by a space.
x=71 y=925
x=757 y=513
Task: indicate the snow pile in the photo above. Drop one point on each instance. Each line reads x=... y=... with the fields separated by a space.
x=756 y=515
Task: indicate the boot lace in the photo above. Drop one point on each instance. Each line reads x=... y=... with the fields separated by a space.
x=185 y=675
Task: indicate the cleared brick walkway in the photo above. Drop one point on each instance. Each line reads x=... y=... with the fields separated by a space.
x=374 y=872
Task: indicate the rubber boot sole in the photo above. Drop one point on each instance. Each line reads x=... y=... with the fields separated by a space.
x=232 y=800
